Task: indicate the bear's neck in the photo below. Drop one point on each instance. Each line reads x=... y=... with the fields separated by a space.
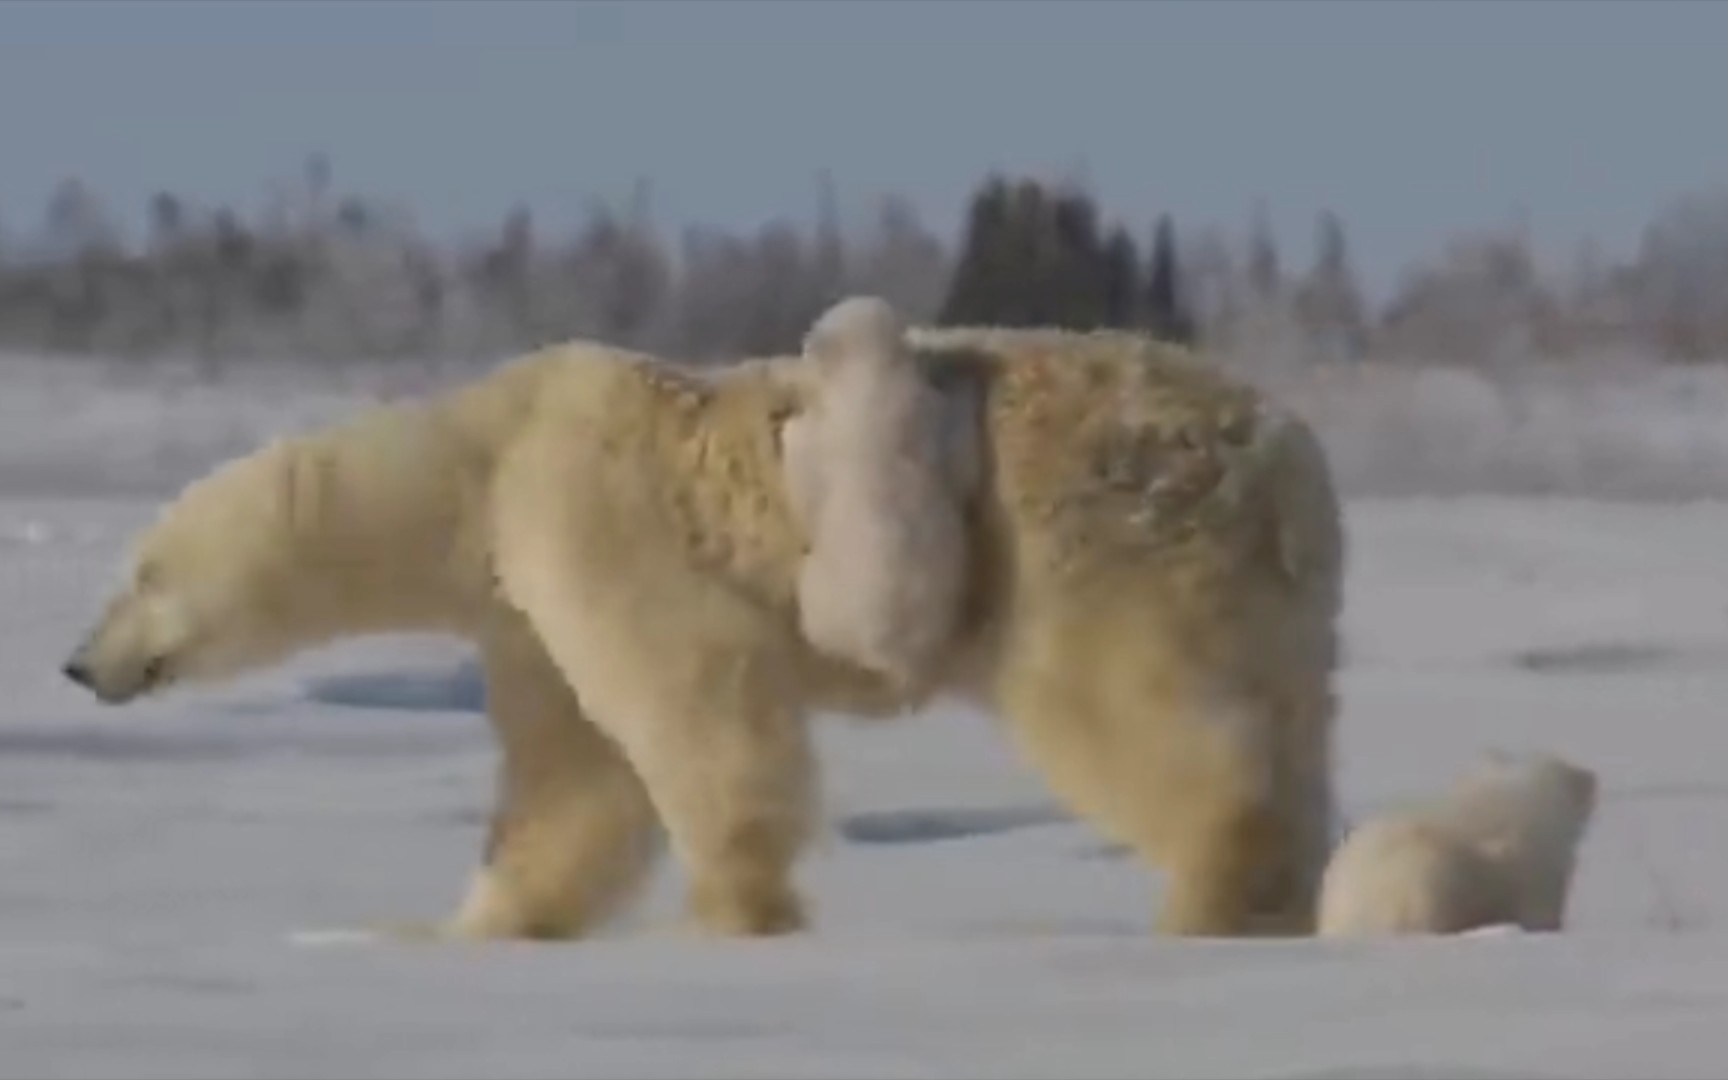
x=383 y=519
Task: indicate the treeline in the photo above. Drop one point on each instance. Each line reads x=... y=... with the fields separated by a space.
x=325 y=275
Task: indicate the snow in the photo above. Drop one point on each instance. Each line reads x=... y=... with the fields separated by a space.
x=165 y=870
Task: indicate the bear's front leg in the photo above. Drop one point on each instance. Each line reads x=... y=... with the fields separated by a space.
x=693 y=677
x=706 y=714
x=573 y=833
x=741 y=839
x=730 y=771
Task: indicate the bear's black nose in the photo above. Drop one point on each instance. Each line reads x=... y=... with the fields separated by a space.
x=77 y=672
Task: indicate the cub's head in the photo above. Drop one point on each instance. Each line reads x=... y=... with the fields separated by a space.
x=204 y=594
x=1556 y=796
x=858 y=330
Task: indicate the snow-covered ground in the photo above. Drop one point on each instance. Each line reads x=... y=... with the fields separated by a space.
x=156 y=862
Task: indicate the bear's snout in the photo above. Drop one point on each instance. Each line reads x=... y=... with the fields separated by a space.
x=92 y=668
x=76 y=670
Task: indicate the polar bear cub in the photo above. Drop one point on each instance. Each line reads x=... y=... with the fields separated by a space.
x=1499 y=849
x=870 y=472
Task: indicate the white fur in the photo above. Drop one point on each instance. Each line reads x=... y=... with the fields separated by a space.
x=1499 y=849
x=867 y=468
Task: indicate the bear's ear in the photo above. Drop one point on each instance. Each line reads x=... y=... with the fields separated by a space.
x=145 y=573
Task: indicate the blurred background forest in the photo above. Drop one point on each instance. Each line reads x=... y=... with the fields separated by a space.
x=319 y=273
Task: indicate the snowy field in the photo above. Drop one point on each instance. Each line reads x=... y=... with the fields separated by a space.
x=156 y=862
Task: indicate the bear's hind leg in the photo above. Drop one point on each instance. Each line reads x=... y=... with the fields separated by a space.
x=1300 y=840
x=572 y=835
x=1191 y=784
x=1224 y=871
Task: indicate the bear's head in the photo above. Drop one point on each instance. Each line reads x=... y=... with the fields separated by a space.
x=207 y=592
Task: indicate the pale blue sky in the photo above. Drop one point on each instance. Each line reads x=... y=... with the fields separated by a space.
x=1413 y=120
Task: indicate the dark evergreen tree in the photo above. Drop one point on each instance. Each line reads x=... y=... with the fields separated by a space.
x=1330 y=302
x=1076 y=282
x=1263 y=271
x=975 y=290
x=1167 y=314
x=1122 y=306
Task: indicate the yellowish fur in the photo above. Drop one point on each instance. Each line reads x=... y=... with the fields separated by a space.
x=1500 y=848
x=1152 y=590
x=868 y=475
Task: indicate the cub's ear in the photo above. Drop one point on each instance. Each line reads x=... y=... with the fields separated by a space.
x=1584 y=784
x=778 y=416
x=1500 y=758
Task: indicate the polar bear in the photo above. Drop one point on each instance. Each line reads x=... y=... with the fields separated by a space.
x=1153 y=584
x=870 y=476
x=1498 y=850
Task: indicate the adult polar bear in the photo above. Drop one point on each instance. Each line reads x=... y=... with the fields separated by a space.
x=1153 y=592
